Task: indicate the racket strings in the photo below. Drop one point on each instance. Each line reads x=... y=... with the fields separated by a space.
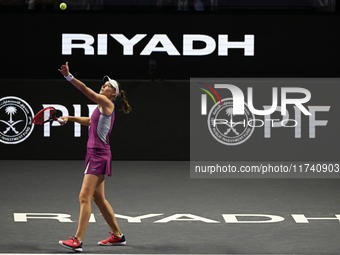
x=45 y=115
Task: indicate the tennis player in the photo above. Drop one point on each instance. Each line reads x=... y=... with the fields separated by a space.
x=98 y=157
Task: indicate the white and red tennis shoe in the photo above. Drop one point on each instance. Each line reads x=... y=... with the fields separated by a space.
x=72 y=244
x=113 y=240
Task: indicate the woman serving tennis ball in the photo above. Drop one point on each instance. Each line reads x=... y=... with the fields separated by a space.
x=98 y=157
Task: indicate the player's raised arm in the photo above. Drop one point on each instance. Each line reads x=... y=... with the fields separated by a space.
x=88 y=92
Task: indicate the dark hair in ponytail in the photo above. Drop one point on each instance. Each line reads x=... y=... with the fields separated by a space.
x=125 y=104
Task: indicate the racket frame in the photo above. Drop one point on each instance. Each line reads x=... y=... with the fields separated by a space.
x=50 y=119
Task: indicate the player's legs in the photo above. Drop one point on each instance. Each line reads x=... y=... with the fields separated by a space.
x=106 y=209
x=90 y=184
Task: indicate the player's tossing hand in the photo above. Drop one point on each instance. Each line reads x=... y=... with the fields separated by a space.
x=64 y=69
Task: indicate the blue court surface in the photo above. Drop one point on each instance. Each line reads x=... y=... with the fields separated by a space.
x=161 y=210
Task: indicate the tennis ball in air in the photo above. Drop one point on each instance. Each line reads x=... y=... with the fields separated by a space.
x=63 y=6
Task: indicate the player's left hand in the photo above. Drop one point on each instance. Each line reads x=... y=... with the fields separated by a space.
x=64 y=69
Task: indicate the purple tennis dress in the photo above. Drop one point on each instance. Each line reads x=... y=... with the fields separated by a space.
x=98 y=157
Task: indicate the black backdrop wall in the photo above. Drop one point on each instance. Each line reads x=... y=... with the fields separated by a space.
x=157 y=128
x=284 y=45
x=32 y=48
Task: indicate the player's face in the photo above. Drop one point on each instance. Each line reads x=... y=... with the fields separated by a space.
x=107 y=90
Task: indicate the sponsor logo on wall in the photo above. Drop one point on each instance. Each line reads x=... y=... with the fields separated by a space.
x=16 y=119
x=231 y=121
x=99 y=44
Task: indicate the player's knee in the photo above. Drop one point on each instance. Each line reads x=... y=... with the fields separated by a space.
x=84 y=198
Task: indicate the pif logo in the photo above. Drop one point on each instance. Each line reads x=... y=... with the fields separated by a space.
x=232 y=121
x=15 y=120
x=228 y=128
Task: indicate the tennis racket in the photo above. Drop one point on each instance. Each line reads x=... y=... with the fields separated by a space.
x=47 y=114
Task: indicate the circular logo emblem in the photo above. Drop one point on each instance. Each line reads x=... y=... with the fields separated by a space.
x=227 y=128
x=15 y=120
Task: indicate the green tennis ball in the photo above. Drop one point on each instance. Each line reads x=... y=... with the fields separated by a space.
x=63 y=6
